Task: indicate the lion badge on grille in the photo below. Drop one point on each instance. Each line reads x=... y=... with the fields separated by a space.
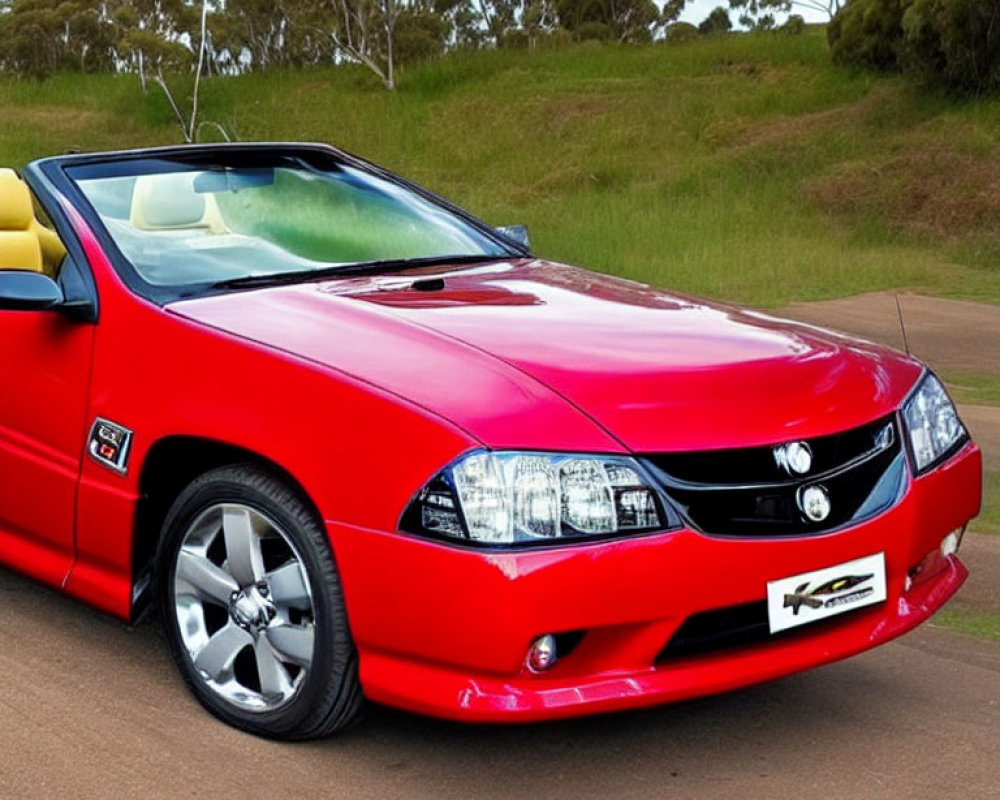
x=795 y=458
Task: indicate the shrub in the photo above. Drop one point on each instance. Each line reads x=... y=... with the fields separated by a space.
x=680 y=32
x=515 y=39
x=596 y=31
x=419 y=35
x=555 y=40
x=868 y=34
x=795 y=25
x=716 y=23
x=954 y=42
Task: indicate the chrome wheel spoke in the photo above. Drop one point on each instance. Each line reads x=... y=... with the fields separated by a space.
x=246 y=563
x=274 y=680
x=288 y=587
x=216 y=658
x=268 y=611
x=208 y=581
x=292 y=643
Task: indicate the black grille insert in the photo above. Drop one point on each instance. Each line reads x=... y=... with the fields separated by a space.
x=746 y=492
x=718 y=629
x=735 y=626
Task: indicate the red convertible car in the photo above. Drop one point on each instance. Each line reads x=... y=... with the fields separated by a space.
x=352 y=442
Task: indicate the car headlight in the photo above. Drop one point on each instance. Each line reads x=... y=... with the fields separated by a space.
x=932 y=423
x=509 y=498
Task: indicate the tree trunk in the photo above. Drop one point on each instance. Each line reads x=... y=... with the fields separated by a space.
x=142 y=74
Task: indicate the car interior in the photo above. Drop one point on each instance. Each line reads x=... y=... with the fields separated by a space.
x=174 y=234
x=25 y=243
x=169 y=203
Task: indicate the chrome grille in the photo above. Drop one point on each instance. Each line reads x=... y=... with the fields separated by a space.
x=751 y=492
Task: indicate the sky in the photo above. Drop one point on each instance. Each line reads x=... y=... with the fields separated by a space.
x=696 y=10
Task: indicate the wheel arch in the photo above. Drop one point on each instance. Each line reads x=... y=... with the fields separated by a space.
x=168 y=467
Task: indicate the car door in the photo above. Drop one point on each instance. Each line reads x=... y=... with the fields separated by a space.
x=45 y=360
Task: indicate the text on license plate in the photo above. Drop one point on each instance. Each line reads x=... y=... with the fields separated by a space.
x=812 y=596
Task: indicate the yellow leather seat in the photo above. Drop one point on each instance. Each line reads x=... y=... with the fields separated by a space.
x=169 y=202
x=20 y=247
x=24 y=242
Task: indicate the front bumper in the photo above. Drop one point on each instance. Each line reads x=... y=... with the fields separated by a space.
x=444 y=630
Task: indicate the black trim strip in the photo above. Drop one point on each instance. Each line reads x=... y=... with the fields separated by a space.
x=52 y=202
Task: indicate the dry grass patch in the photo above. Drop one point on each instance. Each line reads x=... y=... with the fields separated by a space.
x=576 y=107
x=933 y=188
x=788 y=129
x=55 y=118
x=556 y=182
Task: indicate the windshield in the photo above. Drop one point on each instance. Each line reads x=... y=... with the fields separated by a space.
x=182 y=224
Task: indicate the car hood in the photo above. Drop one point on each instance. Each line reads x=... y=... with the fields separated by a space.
x=495 y=347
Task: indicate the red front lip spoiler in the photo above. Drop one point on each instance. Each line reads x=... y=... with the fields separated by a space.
x=436 y=690
x=445 y=630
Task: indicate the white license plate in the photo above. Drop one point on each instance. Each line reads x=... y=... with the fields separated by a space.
x=823 y=593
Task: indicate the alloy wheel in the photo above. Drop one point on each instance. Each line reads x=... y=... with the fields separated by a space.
x=244 y=608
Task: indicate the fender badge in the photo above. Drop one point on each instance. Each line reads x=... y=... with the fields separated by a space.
x=109 y=444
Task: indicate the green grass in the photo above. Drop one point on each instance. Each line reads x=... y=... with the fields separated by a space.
x=984 y=624
x=745 y=168
x=989 y=518
x=980 y=390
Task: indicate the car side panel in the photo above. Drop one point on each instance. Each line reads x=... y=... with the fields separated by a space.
x=45 y=366
x=160 y=375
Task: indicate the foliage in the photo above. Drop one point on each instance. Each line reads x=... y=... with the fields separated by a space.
x=154 y=38
x=420 y=34
x=795 y=25
x=680 y=32
x=593 y=31
x=761 y=14
x=272 y=33
x=39 y=37
x=954 y=42
x=621 y=20
x=868 y=34
x=717 y=22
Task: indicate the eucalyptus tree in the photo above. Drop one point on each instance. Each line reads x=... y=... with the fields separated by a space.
x=761 y=13
x=38 y=37
x=621 y=20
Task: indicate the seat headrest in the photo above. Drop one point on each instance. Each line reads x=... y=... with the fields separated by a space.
x=16 y=212
x=167 y=201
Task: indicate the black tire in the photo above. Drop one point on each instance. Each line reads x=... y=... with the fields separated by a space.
x=320 y=698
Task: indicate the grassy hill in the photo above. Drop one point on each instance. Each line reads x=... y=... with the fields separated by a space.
x=745 y=168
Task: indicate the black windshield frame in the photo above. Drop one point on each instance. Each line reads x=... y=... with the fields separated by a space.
x=63 y=171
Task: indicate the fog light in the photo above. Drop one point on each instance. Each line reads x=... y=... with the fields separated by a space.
x=814 y=502
x=950 y=543
x=542 y=653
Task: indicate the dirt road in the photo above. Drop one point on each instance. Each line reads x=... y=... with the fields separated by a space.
x=952 y=335
x=91 y=709
x=955 y=337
